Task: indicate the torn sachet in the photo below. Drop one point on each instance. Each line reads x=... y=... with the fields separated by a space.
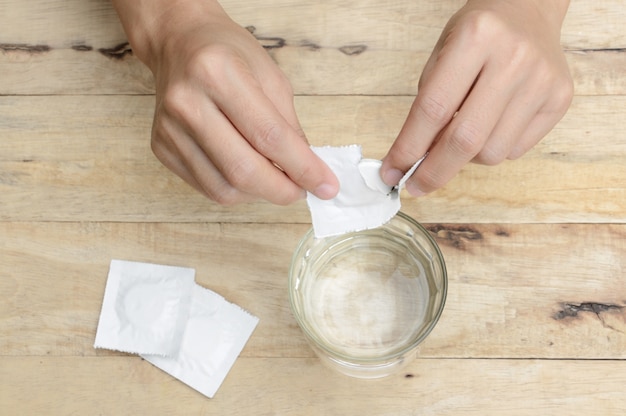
x=364 y=201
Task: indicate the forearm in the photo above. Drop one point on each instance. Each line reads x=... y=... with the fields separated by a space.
x=150 y=23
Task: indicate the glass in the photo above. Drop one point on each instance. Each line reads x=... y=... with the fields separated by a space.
x=366 y=300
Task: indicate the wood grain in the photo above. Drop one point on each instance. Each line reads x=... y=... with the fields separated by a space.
x=535 y=321
x=388 y=23
x=354 y=47
x=311 y=70
x=433 y=387
x=87 y=158
x=516 y=291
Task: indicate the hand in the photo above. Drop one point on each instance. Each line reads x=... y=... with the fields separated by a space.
x=224 y=117
x=495 y=84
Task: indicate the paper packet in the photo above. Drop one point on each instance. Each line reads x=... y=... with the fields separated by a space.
x=160 y=313
x=145 y=308
x=216 y=332
x=364 y=201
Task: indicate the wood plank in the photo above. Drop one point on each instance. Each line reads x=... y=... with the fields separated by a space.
x=535 y=249
x=415 y=25
x=68 y=71
x=87 y=158
x=128 y=385
x=326 y=71
x=79 y=55
x=515 y=291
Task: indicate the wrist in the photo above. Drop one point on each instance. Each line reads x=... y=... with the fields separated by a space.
x=556 y=8
x=151 y=24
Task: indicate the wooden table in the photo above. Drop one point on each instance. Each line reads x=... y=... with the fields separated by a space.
x=535 y=321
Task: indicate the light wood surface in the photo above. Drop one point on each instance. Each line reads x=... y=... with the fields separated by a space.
x=535 y=321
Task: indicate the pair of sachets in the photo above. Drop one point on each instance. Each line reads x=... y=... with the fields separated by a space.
x=364 y=201
x=160 y=313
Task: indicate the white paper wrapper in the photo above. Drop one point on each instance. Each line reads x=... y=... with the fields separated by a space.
x=364 y=201
x=215 y=334
x=145 y=308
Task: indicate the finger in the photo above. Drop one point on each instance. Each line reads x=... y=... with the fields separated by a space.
x=241 y=166
x=536 y=130
x=527 y=119
x=164 y=149
x=548 y=116
x=466 y=134
x=270 y=134
x=509 y=131
x=174 y=163
x=175 y=148
x=281 y=94
x=448 y=79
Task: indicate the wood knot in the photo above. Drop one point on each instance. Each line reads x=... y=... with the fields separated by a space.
x=353 y=49
x=117 y=52
x=456 y=236
x=23 y=47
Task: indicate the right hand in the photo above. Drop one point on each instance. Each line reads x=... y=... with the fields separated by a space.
x=224 y=119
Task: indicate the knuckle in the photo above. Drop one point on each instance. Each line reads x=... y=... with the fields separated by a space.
x=561 y=93
x=430 y=180
x=209 y=60
x=161 y=141
x=523 y=56
x=403 y=154
x=221 y=191
x=241 y=175
x=516 y=153
x=284 y=199
x=175 y=101
x=279 y=81
x=491 y=155
x=564 y=93
x=267 y=137
x=466 y=140
x=157 y=146
x=225 y=196
x=435 y=109
x=300 y=132
x=301 y=176
x=212 y=64
x=482 y=25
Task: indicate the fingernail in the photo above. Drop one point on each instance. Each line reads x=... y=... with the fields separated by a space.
x=325 y=191
x=414 y=190
x=392 y=177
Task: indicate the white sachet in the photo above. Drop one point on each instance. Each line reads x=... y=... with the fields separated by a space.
x=145 y=308
x=364 y=201
x=216 y=333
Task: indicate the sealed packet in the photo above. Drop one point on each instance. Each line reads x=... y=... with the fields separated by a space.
x=145 y=308
x=216 y=332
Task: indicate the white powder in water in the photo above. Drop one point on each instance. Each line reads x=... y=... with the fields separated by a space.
x=363 y=308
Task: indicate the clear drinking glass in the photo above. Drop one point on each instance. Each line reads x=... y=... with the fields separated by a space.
x=366 y=300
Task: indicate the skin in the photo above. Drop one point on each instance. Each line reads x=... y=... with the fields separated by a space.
x=224 y=116
x=496 y=83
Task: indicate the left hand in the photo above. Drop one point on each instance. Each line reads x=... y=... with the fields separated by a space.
x=496 y=83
